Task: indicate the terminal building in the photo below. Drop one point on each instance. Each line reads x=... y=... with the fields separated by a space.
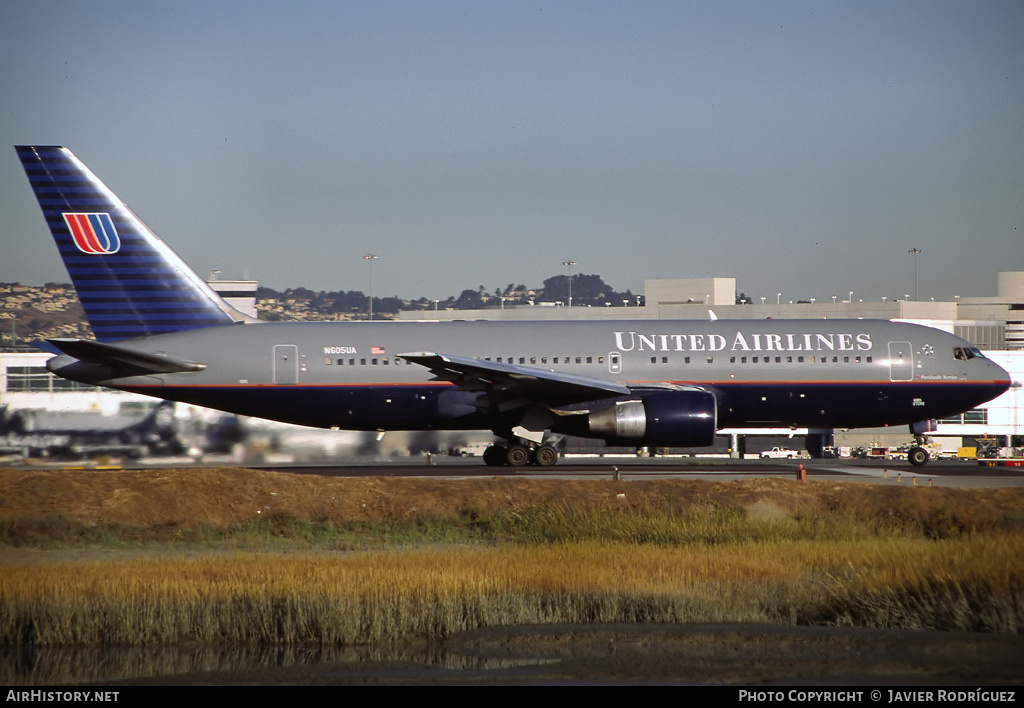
x=991 y=323
x=994 y=324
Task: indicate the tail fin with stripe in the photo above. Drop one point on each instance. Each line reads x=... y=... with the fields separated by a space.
x=129 y=282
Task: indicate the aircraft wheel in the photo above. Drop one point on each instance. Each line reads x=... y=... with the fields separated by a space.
x=517 y=455
x=494 y=456
x=545 y=456
x=918 y=456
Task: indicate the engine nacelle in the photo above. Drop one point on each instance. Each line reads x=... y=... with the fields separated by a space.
x=661 y=418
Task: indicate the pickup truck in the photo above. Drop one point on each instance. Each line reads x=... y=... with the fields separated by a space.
x=777 y=452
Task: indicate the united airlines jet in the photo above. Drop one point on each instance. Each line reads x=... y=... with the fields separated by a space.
x=162 y=331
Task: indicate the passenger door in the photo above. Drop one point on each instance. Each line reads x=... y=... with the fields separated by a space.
x=286 y=364
x=901 y=361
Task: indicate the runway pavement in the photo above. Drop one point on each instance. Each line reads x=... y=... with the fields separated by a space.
x=939 y=473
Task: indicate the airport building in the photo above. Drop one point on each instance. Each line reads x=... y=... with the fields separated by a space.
x=240 y=294
x=991 y=323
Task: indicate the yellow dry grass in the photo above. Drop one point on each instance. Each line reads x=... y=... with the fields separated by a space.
x=356 y=597
x=763 y=550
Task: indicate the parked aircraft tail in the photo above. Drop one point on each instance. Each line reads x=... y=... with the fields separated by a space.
x=129 y=282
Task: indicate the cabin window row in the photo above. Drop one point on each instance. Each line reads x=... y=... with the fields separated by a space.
x=544 y=360
x=368 y=362
x=801 y=359
x=510 y=360
x=533 y=360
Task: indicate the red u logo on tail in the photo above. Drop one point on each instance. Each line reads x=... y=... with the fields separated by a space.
x=93 y=233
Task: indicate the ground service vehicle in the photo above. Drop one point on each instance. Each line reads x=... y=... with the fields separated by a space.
x=778 y=452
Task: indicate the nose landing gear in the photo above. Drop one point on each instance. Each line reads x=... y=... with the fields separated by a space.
x=918 y=456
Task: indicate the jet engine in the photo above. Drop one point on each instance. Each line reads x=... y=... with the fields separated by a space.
x=662 y=419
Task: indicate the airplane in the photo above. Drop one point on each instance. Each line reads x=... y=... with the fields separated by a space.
x=161 y=330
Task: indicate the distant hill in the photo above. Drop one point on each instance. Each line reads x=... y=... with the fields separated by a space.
x=32 y=313
x=586 y=290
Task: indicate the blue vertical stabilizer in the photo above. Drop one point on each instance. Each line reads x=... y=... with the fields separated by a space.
x=129 y=282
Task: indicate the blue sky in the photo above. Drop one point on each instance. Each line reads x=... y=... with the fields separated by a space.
x=801 y=147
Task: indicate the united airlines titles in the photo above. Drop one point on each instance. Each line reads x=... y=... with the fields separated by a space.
x=744 y=341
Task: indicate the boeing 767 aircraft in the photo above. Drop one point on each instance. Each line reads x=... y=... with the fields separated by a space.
x=162 y=331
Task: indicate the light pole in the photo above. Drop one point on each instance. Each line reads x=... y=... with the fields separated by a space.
x=569 y=265
x=914 y=252
x=370 y=258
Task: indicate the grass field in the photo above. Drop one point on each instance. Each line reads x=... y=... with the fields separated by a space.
x=920 y=559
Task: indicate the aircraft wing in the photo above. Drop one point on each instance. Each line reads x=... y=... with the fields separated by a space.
x=118 y=357
x=511 y=382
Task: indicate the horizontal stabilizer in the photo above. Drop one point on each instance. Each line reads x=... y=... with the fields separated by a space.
x=119 y=357
x=44 y=346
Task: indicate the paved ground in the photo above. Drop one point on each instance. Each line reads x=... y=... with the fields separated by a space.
x=944 y=473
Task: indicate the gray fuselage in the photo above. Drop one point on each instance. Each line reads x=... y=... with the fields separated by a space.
x=817 y=373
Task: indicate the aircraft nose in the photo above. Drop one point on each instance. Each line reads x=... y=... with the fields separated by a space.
x=1001 y=379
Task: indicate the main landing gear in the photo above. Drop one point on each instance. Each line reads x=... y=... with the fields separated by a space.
x=519 y=455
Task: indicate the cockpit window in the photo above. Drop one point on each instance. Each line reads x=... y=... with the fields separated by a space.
x=967 y=353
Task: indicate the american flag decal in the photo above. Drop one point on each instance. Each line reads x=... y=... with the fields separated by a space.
x=377 y=350
x=93 y=233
